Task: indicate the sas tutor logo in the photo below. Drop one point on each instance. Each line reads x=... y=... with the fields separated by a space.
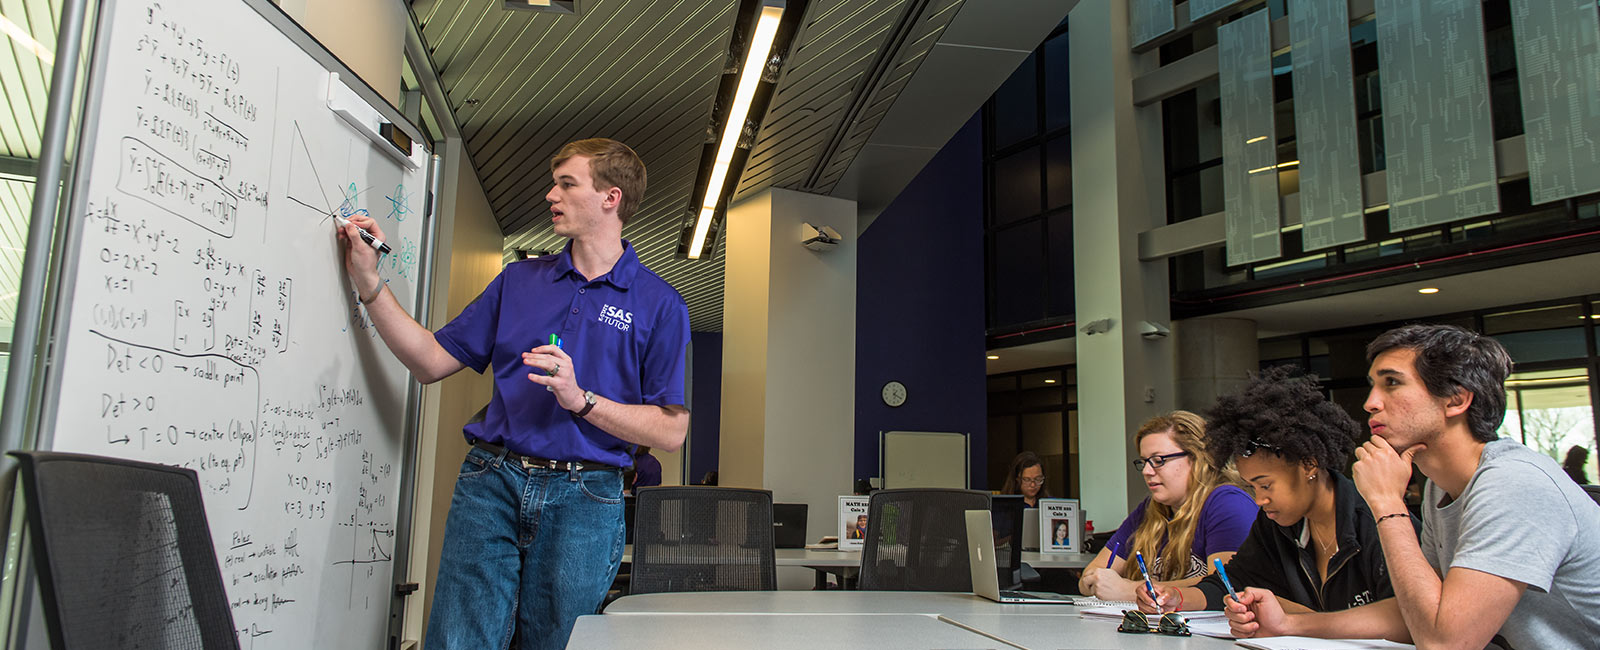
x=622 y=320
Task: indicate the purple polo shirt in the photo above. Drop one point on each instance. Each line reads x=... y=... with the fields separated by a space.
x=1225 y=521
x=627 y=332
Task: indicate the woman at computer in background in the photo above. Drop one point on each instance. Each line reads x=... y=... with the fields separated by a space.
x=1027 y=479
x=1194 y=514
x=1314 y=545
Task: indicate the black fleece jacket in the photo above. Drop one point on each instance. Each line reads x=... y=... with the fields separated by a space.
x=1279 y=558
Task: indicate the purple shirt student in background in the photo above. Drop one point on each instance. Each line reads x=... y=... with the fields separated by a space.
x=1193 y=502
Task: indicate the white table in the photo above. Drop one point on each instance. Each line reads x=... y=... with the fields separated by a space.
x=819 y=559
x=792 y=632
x=1032 y=632
x=928 y=603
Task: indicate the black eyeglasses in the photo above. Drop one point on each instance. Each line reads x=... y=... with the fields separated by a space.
x=1255 y=444
x=1156 y=461
x=1170 y=623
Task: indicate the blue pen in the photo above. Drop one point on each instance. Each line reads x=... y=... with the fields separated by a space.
x=1113 y=557
x=1147 y=583
x=1223 y=573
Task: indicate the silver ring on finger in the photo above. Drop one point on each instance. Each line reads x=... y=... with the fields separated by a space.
x=556 y=370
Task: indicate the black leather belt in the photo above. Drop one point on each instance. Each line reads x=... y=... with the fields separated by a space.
x=531 y=462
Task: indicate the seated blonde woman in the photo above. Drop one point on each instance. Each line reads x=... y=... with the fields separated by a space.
x=1194 y=514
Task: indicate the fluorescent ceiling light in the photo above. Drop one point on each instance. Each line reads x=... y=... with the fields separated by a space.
x=992 y=357
x=749 y=75
x=23 y=38
x=1255 y=139
x=1428 y=290
x=1049 y=381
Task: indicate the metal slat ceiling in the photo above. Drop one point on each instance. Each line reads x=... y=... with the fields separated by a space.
x=25 y=89
x=646 y=73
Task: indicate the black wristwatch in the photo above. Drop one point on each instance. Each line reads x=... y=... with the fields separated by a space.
x=589 y=399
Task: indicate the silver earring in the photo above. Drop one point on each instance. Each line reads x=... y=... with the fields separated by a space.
x=1311 y=477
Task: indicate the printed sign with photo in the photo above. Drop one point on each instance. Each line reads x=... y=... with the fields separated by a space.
x=852 y=522
x=1060 y=526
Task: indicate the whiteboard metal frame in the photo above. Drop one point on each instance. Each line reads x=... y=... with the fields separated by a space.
x=966 y=456
x=68 y=253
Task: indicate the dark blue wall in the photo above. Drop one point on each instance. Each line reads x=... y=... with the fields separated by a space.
x=705 y=421
x=920 y=308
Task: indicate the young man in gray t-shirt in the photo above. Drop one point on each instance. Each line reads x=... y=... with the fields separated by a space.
x=1521 y=518
x=1509 y=547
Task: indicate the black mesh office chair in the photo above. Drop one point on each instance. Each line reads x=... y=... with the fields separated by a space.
x=702 y=538
x=124 y=554
x=917 y=540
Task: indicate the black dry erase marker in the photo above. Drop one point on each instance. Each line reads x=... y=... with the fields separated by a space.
x=374 y=242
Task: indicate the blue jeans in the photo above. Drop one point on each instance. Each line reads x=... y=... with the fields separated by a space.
x=526 y=552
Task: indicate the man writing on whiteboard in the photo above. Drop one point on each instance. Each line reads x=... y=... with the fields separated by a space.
x=588 y=354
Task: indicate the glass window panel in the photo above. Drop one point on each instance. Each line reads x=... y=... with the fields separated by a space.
x=1062 y=294
x=1544 y=345
x=1280 y=349
x=1550 y=412
x=1057 y=90
x=1042 y=389
x=1002 y=448
x=1018 y=262
x=1001 y=384
x=1016 y=105
x=1016 y=186
x=1533 y=318
x=1042 y=435
x=1058 y=172
x=1197 y=194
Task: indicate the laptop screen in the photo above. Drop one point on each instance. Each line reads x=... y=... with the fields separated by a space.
x=1006 y=514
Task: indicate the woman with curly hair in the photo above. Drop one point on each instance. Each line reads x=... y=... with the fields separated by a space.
x=1194 y=513
x=1314 y=544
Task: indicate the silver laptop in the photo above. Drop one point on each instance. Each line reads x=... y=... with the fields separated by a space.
x=985 y=568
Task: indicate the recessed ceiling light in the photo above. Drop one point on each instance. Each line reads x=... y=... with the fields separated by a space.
x=1428 y=290
x=1049 y=381
x=992 y=357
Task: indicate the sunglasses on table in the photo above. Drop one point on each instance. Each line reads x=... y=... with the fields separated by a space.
x=1170 y=623
x=1156 y=461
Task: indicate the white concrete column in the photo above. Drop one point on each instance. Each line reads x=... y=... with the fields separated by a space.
x=368 y=35
x=788 y=353
x=1118 y=181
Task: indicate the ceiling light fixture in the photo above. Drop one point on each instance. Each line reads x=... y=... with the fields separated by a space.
x=26 y=40
x=1428 y=290
x=1049 y=381
x=993 y=357
x=546 y=6
x=768 y=28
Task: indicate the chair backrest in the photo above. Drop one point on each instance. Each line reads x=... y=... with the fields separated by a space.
x=702 y=538
x=917 y=540
x=1594 y=492
x=124 y=554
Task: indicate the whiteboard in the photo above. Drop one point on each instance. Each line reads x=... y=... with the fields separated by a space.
x=918 y=459
x=205 y=320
